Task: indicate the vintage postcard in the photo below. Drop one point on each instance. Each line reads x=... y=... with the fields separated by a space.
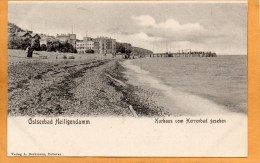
x=127 y=79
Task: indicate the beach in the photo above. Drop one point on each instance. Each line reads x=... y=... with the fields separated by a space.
x=88 y=85
x=98 y=85
x=99 y=90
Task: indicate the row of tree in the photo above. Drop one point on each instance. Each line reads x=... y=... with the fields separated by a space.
x=56 y=46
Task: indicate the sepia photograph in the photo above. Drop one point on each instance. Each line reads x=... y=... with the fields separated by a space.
x=161 y=76
x=127 y=59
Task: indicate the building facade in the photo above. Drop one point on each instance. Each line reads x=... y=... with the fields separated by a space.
x=83 y=45
x=104 y=45
x=89 y=42
x=80 y=46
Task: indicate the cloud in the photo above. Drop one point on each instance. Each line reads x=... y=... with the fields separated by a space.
x=139 y=39
x=144 y=20
x=175 y=26
x=145 y=31
x=144 y=37
x=171 y=29
x=171 y=24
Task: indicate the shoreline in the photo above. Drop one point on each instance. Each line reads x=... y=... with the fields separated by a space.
x=79 y=87
x=135 y=96
x=177 y=100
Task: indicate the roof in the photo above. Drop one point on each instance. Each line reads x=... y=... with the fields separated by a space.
x=21 y=34
x=63 y=35
x=43 y=36
x=35 y=34
x=48 y=39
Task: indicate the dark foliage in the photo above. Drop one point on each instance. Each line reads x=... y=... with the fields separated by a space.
x=123 y=47
x=14 y=43
x=43 y=47
x=141 y=51
x=90 y=51
x=36 y=44
x=25 y=43
x=57 y=46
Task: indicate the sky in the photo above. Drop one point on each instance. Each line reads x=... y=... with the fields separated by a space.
x=157 y=26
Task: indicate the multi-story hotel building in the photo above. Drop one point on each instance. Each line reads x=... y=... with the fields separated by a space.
x=83 y=45
x=104 y=45
x=89 y=42
x=100 y=45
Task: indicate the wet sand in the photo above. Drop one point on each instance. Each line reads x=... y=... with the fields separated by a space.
x=85 y=86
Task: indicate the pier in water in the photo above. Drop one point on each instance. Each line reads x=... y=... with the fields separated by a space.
x=182 y=54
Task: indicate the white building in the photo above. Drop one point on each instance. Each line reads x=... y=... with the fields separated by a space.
x=100 y=45
x=90 y=44
x=104 y=45
x=83 y=45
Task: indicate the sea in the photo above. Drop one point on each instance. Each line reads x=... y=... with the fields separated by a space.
x=193 y=85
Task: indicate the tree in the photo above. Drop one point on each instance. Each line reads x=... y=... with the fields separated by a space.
x=14 y=42
x=128 y=51
x=36 y=44
x=25 y=43
x=90 y=51
x=43 y=47
x=60 y=47
x=123 y=47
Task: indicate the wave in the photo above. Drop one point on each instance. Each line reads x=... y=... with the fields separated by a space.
x=181 y=102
